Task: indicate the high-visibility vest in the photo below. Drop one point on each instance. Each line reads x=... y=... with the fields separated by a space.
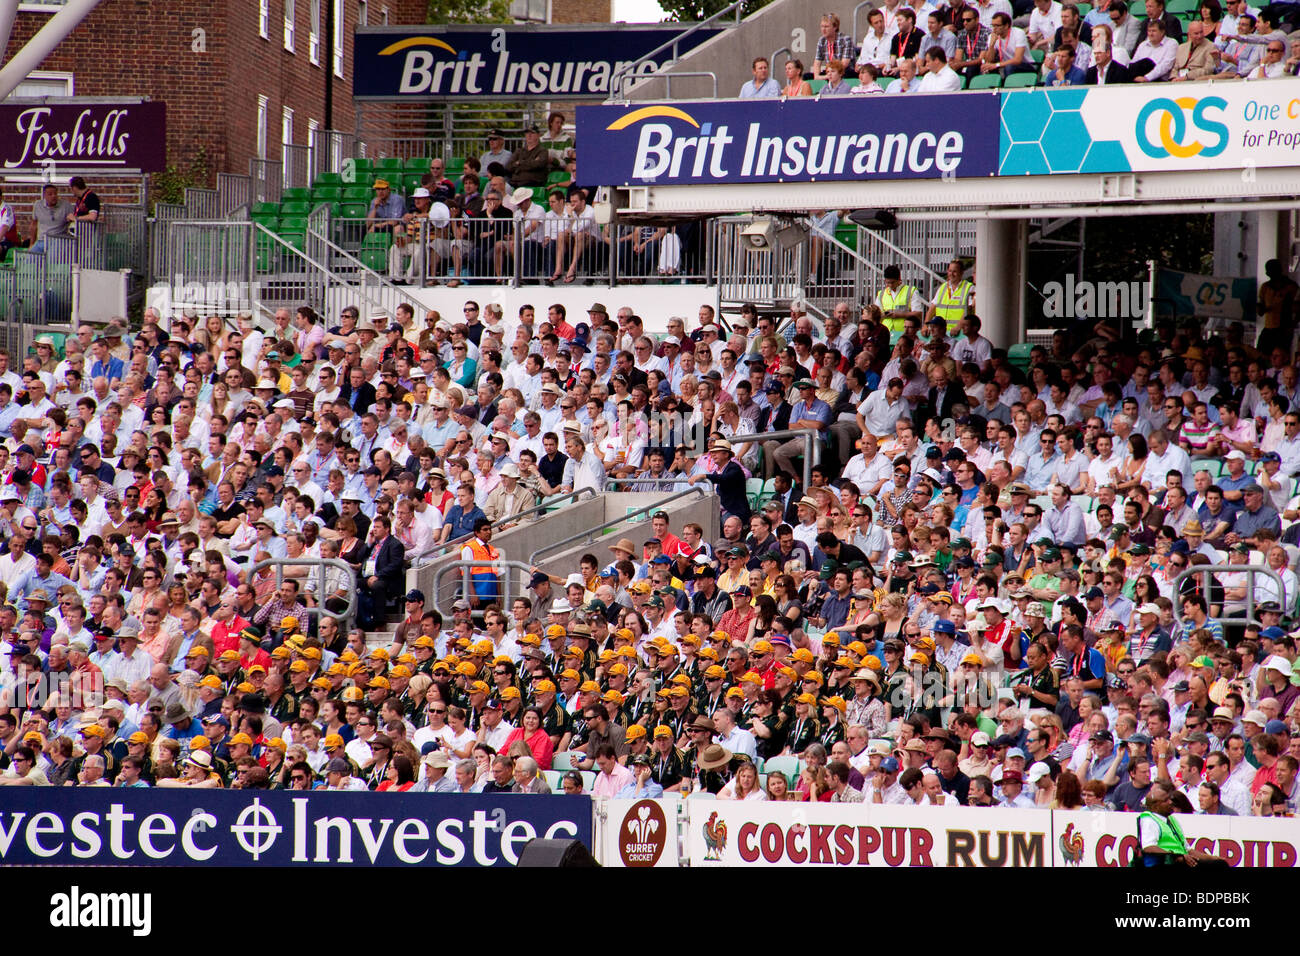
x=482 y=552
x=899 y=299
x=951 y=304
x=1171 y=838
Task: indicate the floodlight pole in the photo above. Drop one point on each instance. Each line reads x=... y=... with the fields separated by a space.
x=42 y=44
x=8 y=13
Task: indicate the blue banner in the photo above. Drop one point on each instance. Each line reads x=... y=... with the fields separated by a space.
x=848 y=138
x=1190 y=294
x=162 y=827
x=504 y=62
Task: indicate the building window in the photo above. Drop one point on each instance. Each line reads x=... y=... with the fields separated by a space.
x=530 y=11
x=313 y=138
x=264 y=19
x=289 y=17
x=338 y=37
x=313 y=38
x=44 y=83
x=263 y=109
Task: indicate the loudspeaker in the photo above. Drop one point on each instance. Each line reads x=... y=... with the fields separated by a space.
x=553 y=853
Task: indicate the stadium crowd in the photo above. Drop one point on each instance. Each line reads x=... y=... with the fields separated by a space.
x=982 y=597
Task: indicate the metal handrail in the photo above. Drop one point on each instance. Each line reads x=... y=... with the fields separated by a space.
x=897 y=251
x=551 y=502
x=668 y=80
x=812 y=452
x=864 y=3
x=345 y=618
x=363 y=270
x=616 y=80
x=633 y=480
x=590 y=534
x=507 y=598
x=771 y=60
x=1249 y=569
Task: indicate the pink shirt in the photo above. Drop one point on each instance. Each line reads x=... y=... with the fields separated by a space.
x=609 y=784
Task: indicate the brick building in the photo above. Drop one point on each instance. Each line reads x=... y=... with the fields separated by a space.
x=239 y=77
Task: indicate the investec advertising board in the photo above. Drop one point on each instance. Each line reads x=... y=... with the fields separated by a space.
x=506 y=62
x=1158 y=127
x=790 y=141
x=103 y=827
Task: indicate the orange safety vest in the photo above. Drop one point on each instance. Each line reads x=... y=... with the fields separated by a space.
x=483 y=552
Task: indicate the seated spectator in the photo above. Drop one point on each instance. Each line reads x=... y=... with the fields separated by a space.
x=1196 y=57
x=1044 y=21
x=939 y=77
x=558 y=141
x=1065 y=73
x=972 y=39
x=835 y=82
x=906 y=43
x=762 y=86
x=906 y=81
x=875 y=45
x=832 y=47
x=1154 y=57
x=866 y=80
x=1008 y=50
x=795 y=84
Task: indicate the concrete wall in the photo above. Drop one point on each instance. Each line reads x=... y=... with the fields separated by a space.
x=520 y=543
x=704 y=511
x=729 y=54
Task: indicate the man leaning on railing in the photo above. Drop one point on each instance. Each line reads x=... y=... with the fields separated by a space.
x=50 y=217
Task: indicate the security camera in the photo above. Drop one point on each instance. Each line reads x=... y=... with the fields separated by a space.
x=759 y=235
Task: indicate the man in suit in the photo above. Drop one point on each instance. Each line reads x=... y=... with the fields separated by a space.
x=1197 y=57
x=1104 y=69
x=1156 y=11
x=358 y=393
x=383 y=573
x=942 y=395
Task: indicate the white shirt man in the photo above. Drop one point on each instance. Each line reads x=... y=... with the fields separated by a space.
x=939 y=77
x=1160 y=50
x=1044 y=21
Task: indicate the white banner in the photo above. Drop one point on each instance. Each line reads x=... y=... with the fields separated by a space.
x=641 y=833
x=1085 y=838
x=724 y=833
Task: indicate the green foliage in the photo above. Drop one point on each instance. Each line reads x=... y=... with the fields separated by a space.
x=169 y=185
x=692 y=11
x=468 y=11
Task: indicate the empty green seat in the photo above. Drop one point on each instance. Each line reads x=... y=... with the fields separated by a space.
x=357 y=193
x=1018 y=355
x=377 y=240
x=295 y=208
x=327 y=194
x=328 y=179
x=295 y=194
x=376 y=260
x=558 y=176
x=1019 y=80
x=988 y=81
x=411 y=182
x=264 y=209
x=417 y=164
x=388 y=164
x=293 y=224
x=353 y=210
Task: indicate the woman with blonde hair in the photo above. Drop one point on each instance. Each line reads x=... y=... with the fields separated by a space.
x=744 y=785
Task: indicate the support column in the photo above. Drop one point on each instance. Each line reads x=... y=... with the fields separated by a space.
x=1000 y=279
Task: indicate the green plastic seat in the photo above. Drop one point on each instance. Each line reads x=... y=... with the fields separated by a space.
x=296 y=239
x=353 y=210
x=884 y=81
x=293 y=224
x=327 y=179
x=1037 y=56
x=847 y=235
x=389 y=164
x=411 y=182
x=1018 y=355
x=818 y=86
x=988 y=81
x=264 y=209
x=357 y=194
x=327 y=194
x=558 y=176
x=295 y=194
x=1020 y=80
x=417 y=164
x=455 y=167
x=296 y=207
x=376 y=260
x=377 y=240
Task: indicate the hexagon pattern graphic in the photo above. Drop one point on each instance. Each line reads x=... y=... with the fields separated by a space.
x=1043 y=131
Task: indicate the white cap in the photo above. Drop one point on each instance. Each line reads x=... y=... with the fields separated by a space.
x=1149 y=608
x=1278 y=663
x=562 y=606
x=510 y=470
x=420 y=193
x=1256 y=717
x=1234 y=455
x=1038 y=771
x=574 y=578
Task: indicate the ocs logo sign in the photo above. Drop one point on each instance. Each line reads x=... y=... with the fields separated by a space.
x=1207 y=137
